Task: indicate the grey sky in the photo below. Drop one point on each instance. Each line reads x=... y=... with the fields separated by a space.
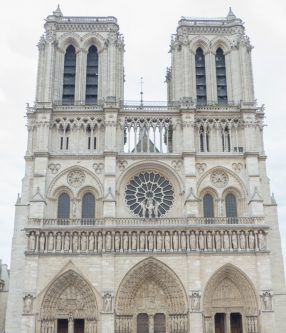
x=147 y=26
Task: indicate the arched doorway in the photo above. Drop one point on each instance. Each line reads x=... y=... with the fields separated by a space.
x=230 y=303
x=151 y=299
x=69 y=306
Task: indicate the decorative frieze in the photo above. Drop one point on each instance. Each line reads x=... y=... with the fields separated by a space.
x=131 y=241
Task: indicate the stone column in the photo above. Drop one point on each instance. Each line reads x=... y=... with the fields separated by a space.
x=71 y=325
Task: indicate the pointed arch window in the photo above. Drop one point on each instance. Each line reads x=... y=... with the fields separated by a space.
x=201 y=77
x=230 y=206
x=208 y=205
x=91 y=76
x=63 y=206
x=221 y=77
x=88 y=206
x=69 y=76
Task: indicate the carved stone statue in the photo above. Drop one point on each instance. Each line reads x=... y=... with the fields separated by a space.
x=134 y=241
x=251 y=240
x=209 y=241
x=159 y=241
x=175 y=241
x=32 y=242
x=167 y=241
x=142 y=241
x=242 y=240
x=267 y=302
x=192 y=240
x=28 y=304
x=261 y=240
x=195 y=301
x=183 y=241
x=117 y=242
x=99 y=242
x=83 y=242
x=50 y=242
x=150 y=241
x=91 y=242
x=75 y=242
x=201 y=241
x=107 y=303
x=59 y=242
x=108 y=241
x=125 y=241
x=217 y=241
x=226 y=240
x=42 y=242
x=149 y=207
x=67 y=242
x=234 y=240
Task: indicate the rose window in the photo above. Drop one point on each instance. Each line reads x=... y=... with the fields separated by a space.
x=149 y=194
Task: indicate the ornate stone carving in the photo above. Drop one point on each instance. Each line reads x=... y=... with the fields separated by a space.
x=122 y=164
x=201 y=167
x=28 y=304
x=237 y=167
x=54 y=167
x=261 y=240
x=69 y=296
x=107 y=302
x=266 y=298
x=163 y=291
x=252 y=324
x=98 y=167
x=177 y=165
x=195 y=300
x=219 y=178
x=76 y=178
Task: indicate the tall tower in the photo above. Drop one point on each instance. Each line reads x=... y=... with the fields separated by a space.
x=145 y=218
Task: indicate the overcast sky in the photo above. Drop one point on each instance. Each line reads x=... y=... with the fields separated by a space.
x=147 y=26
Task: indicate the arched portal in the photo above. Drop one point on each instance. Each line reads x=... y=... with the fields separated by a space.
x=230 y=302
x=151 y=299
x=69 y=305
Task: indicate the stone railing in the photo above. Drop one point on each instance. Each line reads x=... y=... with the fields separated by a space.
x=143 y=222
x=216 y=238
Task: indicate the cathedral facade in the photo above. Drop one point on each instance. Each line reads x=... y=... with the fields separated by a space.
x=139 y=218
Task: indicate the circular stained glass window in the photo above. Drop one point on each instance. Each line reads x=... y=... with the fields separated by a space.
x=149 y=195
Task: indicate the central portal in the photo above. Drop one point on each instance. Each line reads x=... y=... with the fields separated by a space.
x=151 y=324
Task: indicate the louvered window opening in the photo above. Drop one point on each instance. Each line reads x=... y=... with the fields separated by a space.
x=221 y=77
x=201 y=77
x=92 y=76
x=69 y=76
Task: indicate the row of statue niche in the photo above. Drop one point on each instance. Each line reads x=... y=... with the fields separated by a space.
x=146 y=241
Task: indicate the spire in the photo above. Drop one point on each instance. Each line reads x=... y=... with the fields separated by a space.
x=230 y=15
x=58 y=12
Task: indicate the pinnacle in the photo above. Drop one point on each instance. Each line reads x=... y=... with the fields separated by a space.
x=230 y=15
x=58 y=12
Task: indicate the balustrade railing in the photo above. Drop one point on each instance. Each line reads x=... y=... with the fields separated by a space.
x=141 y=222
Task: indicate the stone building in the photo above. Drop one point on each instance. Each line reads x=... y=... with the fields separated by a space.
x=4 y=287
x=145 y=218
